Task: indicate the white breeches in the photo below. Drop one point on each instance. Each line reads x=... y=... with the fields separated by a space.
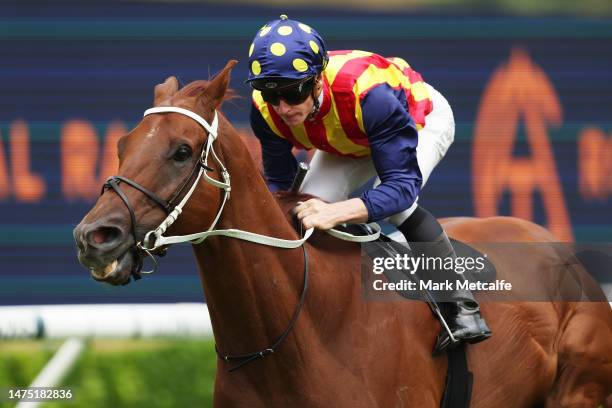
x=333 y=178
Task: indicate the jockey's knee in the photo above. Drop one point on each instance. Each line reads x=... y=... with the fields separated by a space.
x=420 y=226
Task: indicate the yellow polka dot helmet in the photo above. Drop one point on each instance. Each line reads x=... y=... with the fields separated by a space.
x=285 y=51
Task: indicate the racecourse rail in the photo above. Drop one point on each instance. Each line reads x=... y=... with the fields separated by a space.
x=77 y=322
x=105 y=320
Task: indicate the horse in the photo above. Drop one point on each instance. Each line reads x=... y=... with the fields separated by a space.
x=336 y=348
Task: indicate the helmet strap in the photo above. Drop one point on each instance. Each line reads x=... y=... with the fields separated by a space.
x=316 y=106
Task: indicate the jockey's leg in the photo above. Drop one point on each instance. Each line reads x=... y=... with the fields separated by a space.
x=332 y=178
x=418 y=225
x=462 y=310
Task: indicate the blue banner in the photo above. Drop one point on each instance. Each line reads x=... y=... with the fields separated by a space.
x=531 y=96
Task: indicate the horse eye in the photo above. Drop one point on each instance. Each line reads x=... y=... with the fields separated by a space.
x=182 y=153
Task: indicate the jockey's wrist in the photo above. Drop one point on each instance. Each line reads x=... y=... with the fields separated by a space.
x=352 y=211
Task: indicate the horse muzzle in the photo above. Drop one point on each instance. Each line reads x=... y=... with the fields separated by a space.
x=104 y=249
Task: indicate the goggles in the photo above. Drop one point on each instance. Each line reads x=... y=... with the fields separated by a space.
x=293 y=94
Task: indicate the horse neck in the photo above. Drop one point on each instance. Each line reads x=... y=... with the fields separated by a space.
x=251 y=290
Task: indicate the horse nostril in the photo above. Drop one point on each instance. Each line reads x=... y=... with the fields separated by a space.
x=103 y=235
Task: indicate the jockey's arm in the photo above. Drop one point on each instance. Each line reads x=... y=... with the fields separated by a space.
x=393 y=140
x=279 y=163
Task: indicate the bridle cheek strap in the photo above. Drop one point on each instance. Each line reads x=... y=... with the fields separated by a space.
x=155 y=239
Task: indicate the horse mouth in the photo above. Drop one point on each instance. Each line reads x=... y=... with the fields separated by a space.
x=116 y=272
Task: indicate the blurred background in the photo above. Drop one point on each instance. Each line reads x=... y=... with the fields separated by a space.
x=530 y=84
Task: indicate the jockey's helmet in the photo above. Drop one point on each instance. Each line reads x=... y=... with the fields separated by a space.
x=283 y=53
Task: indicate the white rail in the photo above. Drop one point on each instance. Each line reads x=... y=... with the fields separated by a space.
x=102 y=320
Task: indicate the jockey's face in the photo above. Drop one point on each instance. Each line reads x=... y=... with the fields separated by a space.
x=294 y=115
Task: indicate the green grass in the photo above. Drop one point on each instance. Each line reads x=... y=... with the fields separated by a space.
x=121 y=373
x=20 y=361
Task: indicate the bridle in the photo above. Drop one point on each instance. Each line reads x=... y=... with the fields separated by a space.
x=149 y=245
x=155 y=243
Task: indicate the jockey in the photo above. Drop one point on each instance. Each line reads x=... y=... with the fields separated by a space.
x=364 y=114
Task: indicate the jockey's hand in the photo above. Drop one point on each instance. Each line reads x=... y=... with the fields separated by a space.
x=321 y=215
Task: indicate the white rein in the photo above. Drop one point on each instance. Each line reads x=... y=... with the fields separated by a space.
x=211 y=129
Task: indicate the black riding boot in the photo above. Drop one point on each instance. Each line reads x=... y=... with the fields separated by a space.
x=462 y=312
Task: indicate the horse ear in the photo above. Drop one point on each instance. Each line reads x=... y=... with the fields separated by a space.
x=166 y=90
x=218 y=85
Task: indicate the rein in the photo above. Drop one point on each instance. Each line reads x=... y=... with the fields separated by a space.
x=246 y=358
x=155 y=243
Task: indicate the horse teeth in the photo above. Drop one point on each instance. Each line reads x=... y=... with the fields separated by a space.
x=102 y=273
x=111 y=267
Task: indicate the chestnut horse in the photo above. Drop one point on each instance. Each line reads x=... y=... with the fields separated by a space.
x=342 y=351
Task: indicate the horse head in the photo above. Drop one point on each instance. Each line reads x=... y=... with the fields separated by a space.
x=159 y=162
